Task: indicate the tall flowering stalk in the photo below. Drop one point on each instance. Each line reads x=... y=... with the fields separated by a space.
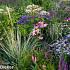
x=62 y=64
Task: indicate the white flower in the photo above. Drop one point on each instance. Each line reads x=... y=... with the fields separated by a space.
x=33 y=9
x=28 y=11
x=44 y=13
x=40 y=37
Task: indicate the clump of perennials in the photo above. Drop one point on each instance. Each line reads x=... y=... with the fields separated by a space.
x=37 y=29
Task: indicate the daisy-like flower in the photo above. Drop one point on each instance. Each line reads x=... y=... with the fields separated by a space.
x=35 y=32
x=40 y=24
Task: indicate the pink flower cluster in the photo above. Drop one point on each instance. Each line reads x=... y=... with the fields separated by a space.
x=40 y=24
x=37 y=27
x=35 y=32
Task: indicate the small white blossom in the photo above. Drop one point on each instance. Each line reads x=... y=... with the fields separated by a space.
x=33 y=9
x=44 y=13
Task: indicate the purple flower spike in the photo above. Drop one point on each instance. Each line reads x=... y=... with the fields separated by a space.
x=24 y=19
x=62 y=64
x=65 y=66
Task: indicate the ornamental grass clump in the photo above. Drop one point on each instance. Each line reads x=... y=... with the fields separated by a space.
x=16 y=52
